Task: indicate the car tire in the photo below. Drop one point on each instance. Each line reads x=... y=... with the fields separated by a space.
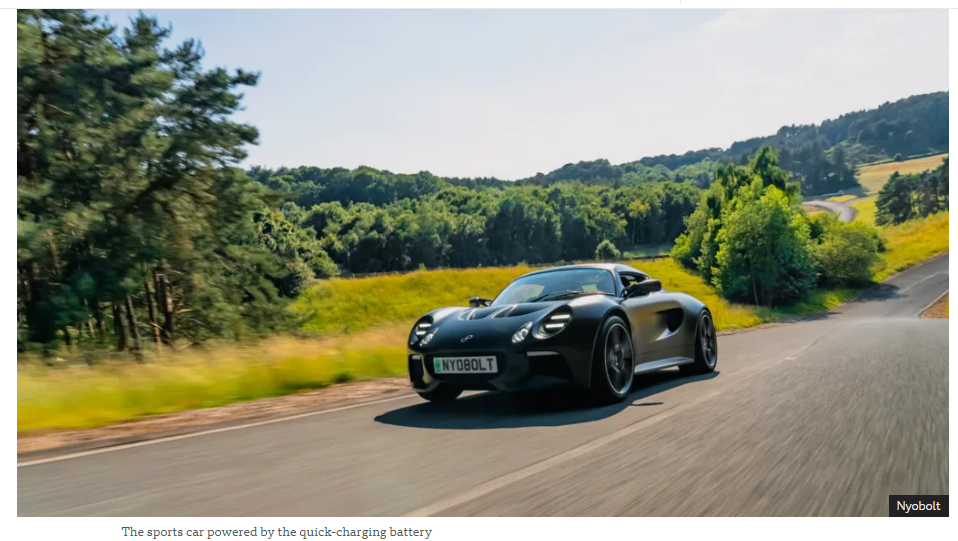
x=613 y=362
x=442 y=394
x=706 y=347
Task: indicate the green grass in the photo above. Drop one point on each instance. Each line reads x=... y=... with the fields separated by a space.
x=349 y=305
x=873 y=177
x=913 y=242
x=367 y=321
x=866 y=210
x=841 y=198
x=81 y=396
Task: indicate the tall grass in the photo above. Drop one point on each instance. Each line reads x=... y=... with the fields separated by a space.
x=79 y=396
x=866 y=210
x=348 y=305
x=913 y=242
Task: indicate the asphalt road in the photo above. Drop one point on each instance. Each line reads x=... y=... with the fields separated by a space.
x=822 y=417
x=843 y=209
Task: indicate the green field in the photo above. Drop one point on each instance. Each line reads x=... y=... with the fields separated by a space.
x=866 y=210
x=873 y=177
x=366 y=321
x=841 y=198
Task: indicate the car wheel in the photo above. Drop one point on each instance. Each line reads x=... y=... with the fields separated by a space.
x=706 y=347
x=613 y=363
x=442 y=393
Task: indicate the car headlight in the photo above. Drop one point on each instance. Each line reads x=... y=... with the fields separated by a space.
x=554 y=323
x=522 y=333
x=428 y=338
x=421 y=329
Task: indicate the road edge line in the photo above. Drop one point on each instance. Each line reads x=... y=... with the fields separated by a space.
x=121 y=447
x=932 y=303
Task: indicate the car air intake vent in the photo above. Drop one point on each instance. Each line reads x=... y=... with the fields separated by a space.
x=517 y=310
x=480 y=313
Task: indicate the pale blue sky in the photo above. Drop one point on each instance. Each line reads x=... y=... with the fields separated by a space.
x=511 y=93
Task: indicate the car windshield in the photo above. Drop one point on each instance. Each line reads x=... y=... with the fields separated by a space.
x=553 y=284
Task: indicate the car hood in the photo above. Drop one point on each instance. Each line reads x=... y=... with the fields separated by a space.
x=490 y=327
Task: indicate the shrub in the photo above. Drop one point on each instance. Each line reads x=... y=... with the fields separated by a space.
x=847 y=253
x=607 y=251
x=763 y=256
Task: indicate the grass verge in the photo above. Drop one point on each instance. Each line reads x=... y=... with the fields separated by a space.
x=81 y=396
x=866 y=210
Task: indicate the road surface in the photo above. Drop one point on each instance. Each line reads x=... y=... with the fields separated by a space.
x=843 y=209
x=822 y=417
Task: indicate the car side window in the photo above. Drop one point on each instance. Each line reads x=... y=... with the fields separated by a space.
x=631 y=278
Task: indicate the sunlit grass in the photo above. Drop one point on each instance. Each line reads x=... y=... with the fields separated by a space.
x=79 y=396
x=349 y=305
x=873 y=177
x=913 y=242
x=841 y=198
x=866 y=210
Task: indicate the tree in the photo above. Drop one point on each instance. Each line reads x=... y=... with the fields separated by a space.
x=127 y=178
x=895 y=203
x=763 y=256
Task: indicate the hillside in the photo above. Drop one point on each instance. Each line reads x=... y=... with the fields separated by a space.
x=822 y=156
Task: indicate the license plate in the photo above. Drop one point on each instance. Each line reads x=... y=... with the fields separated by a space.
x=464 y=365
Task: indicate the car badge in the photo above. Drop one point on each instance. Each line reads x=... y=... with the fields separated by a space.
x=466 y=338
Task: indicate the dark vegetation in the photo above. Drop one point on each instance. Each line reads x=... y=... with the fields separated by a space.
x=907 y=197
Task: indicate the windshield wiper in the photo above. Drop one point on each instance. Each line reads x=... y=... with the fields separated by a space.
x=565 y=293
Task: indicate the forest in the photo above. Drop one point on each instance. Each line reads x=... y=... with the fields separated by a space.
x=138 y=220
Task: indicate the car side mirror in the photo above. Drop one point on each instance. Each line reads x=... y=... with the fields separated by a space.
x=643 y=288
x=479 y=302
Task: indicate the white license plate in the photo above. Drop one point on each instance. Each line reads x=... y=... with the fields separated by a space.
x=464 y=365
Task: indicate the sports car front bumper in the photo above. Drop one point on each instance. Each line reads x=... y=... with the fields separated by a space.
x=514 y=370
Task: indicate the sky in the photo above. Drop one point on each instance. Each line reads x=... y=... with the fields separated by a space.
x=510 y=93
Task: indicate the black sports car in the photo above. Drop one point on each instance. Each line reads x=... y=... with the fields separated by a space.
x=593 y=325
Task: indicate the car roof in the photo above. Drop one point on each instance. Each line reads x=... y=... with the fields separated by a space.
x=614 y=267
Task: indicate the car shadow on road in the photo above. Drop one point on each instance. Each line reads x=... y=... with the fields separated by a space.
x=554 y=406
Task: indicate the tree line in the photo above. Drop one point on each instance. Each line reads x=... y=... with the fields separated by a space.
x=821 y=158
x=376 y=221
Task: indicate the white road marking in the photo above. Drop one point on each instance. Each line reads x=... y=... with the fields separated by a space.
x=207 y=432
x=932 y=303
x=923 y=280
x=539 y=467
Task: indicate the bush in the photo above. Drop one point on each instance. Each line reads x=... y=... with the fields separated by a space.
x=847 y=253
x=763 y=256
x=607 y=250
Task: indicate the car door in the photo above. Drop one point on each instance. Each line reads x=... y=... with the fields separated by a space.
x=655 y=319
